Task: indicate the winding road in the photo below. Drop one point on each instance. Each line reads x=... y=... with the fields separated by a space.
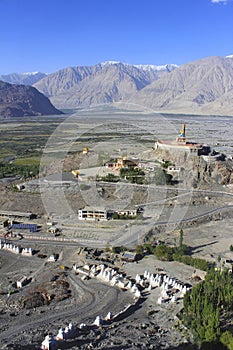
x=102 y=298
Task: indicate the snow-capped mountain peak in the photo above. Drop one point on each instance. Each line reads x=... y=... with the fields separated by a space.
x=153 y=67
x=32 y=73
x=109 y=63
x=145 y=67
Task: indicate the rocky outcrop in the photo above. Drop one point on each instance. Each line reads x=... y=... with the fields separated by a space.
x=21 y=100
x=216 y=172
x=198 y=170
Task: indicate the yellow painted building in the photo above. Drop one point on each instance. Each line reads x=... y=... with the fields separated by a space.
x=75 y=172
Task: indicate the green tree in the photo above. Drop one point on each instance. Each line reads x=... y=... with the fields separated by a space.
x=226 y=339
x=164 y=252
x=149 y=248
x=207 y=304
x=181 y=238
x=133 y=175
x=115 y=216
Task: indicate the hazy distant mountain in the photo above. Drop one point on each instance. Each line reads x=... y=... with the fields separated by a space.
x=106 y=82
x=22 y=100
x=23 y=78
x=204 y=86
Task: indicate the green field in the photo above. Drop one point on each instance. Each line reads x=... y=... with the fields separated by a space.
x=22 y=142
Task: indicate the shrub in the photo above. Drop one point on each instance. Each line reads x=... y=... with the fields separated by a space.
x=149 y=248
x=164 y=252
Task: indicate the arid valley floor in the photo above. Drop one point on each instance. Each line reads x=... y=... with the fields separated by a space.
x=56 y=294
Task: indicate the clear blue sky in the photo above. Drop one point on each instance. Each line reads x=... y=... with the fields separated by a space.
x=46 y=35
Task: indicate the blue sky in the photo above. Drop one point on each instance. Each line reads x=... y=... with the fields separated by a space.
x=46 y=35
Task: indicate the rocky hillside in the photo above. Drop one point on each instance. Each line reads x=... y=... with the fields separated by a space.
x=103 y=83
x=201 y=87
x=197 y=171
x=218 y=172
x=22 y=100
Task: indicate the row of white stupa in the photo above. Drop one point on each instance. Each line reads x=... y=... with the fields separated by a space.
x=16 y=249
x=110 y=276
x=175 y=288
x=171 y=288
x=50 y=342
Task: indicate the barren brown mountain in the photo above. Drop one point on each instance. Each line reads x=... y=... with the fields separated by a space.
x=22 y=100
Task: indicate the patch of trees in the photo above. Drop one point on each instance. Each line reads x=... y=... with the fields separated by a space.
x=208 y=309
x=24 y=171
x=133 y=175
x=117 y=216
x=164 y=252
x=198 y=263
x=108 y=178
x=178 y=253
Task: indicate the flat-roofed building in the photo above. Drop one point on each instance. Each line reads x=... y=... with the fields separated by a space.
x=16 y=214
x=92 y=214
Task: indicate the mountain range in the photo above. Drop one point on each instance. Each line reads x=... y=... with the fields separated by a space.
x=23 y=78
x=105 y=82
x=201 y=87
x=204 y=86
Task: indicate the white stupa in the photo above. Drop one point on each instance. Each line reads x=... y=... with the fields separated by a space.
x=98 y=321
x=49 y=343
